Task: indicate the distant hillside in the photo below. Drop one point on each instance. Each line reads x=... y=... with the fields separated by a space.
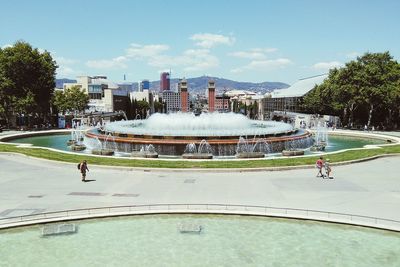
x=60 y=82
x=198 y=85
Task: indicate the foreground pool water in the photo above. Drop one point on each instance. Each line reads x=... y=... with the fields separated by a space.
x=225 y=240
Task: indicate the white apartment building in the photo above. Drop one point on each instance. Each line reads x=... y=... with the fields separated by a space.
x=102 y=92
x=145 y=95
x=172 y=100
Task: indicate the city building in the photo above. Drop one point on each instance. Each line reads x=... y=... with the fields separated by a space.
x=222 y=103
x=128 y=86
x=104 y=95
x=143 y=85
x=240 y=94
x=164 y=82
x=183 y=90
x=211 y=95
x=289 y=99
x=145 y=95
x=172 y=100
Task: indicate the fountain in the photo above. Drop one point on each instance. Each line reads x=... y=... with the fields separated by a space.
x=171 y=133
x=203 y=152
x=292 y=148
x=254 y=149
x=77 y=137
x=321 y=137
x=146 y=151
x=107 y=148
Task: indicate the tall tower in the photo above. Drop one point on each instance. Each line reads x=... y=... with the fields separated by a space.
x=183 y=90
x=211 y=95
x=164 y=81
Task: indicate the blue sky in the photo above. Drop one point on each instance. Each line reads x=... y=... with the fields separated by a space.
x=253 y=40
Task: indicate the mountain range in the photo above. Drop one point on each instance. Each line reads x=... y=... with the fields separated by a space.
x=198 y=85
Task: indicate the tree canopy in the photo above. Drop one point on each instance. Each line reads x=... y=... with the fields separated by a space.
x=71 y=100
x=27 y=80
x=364 y=91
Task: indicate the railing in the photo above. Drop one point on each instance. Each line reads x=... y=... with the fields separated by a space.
x=201 y=208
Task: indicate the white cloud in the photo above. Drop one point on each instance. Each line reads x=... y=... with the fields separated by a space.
x=133 y=52
x=64 y=72
x=353 y=55
x=265 y=50
x=208 y=40
x=248 y=54
x=65 y=61
x=136 y=51
x=199 y=59
x=66 y=66
x=115 y=63
x=327 y=65
x=263 y=65
x=6 y=46
x=191 y=60
x=255 y=53
x=155 y=55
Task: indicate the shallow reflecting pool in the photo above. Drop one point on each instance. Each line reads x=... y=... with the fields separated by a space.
x=225 y=240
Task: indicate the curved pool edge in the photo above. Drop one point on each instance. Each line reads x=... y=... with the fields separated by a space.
x=393 y=141
x=208 y=209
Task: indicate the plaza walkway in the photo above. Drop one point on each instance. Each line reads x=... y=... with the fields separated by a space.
x=30 y=186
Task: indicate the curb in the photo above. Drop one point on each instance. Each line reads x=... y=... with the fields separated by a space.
x=220 y=170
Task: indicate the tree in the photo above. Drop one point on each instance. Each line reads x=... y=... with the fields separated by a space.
x=365 y=91
x=60 y=102
x=71 y=100
x=143 y=106
x=77 y=99
x=25 y=74
x=158 y=106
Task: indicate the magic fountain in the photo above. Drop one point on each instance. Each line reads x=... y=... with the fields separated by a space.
x=170 y=134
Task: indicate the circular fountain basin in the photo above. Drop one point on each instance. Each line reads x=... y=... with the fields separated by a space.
x=197 y=156
x=144 y=154
x=71 y=142
x=103 y=152
x=170 y=133
x=290 y=153
x=78 y=147
x=250 y=155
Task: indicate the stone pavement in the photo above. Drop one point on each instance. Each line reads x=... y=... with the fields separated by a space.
x=30 y=186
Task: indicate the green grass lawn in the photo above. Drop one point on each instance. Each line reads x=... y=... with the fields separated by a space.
x=278 y=162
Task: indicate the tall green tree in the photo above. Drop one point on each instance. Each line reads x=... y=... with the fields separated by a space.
x=365 y=90
x=72 y=100
x=26 y=73
x=77 y=99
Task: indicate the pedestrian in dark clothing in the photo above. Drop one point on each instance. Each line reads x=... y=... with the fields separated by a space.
x=83 y=168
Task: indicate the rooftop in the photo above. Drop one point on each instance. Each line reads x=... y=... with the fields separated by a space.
x=300 y=88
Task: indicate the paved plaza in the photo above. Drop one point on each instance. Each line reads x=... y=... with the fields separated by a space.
x=30 y=185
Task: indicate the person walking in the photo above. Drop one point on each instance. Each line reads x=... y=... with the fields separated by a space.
x=319 y=164
x=328 y=169
x=83 y=168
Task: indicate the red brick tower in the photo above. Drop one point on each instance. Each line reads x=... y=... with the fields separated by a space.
x=211 y=96
x=184 y=95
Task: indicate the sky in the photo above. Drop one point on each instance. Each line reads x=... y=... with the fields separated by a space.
x=242 y=40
